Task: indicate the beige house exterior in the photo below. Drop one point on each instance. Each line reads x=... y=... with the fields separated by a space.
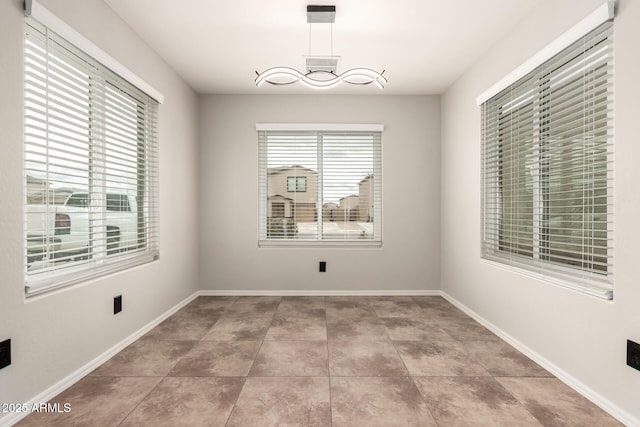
x=292 y=193
x=328 y=211
x=347 y=210
x=365 y=199
x=37 y=188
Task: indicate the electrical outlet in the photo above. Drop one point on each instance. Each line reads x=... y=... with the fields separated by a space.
x=633 y=354
x=5 y=353
x=117 y=304
x=323 y=266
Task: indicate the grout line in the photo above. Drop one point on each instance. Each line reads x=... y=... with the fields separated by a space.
x=326 y=327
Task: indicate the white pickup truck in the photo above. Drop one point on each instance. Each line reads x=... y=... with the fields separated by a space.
x=62 y=230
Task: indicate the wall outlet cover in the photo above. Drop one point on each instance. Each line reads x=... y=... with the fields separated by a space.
x=117 y=304
x=323 y=266
x=633 y=354
x=5 y=353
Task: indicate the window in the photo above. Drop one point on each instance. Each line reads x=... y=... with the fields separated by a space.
x=548 y=167
x=296 y=184
x=320 y=186
x=90 y=150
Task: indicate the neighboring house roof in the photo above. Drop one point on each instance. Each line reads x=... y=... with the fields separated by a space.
x=280 y=169
x=365 y=178
x=278 y=195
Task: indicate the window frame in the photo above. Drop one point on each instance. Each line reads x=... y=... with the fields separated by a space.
x=124 y=83
x=539 y=261
x=319 y=128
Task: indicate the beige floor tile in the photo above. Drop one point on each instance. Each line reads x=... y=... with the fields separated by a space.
x=356 y=329
x=437 y=358
x=340 y=308
x=365 y=359
x=187 y=402
x=465 y=329
x=283 y=402
x=95 y=401
x=188 y=324
x=413 y=329
x=472 y=401
x=438 y=307
x=217 y=358
x=298 y=327
x=502 y=360
x=240 y=327
x=291 y=305
x=145 y=358
x=431 y=301
x=395 y=307
x=255 y=305
x=554 y=403
x=375 y=402
x=213 y=303
x=292 y=359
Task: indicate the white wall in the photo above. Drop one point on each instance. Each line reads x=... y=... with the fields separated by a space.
x=55 y=335
x=410 y=256
x=583 y=336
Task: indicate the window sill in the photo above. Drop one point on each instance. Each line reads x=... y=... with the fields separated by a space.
x=582 y=284
x=45 y=284
x=319 y=244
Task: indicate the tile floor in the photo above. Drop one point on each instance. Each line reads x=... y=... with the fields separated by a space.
x=321 y=361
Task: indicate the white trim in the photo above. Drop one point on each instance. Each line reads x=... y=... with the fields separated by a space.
x=317 y=293
x=312 y=127
x=577 y=385
x=60 y=27
x=85 y=370
x=284 y=243
x=602 y=14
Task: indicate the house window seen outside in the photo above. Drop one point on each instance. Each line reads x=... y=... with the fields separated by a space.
x=296 y=184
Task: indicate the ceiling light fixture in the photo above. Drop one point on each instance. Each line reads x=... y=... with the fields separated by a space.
x=321 y=71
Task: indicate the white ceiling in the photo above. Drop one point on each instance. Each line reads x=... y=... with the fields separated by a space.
x=424 y=45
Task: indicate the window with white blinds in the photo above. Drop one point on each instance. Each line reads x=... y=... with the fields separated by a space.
x=90 y=166
x=548 y=168
x=320 y=187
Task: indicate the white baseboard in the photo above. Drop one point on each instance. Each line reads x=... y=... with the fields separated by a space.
x=76 y=376
x=606 y=405
x=317 y=293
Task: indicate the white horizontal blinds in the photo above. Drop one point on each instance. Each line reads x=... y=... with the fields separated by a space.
x=349 y=189
x=292 y=185
x=548 y=167
x=90 y=164
x=320 y=186
x=131 y=166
